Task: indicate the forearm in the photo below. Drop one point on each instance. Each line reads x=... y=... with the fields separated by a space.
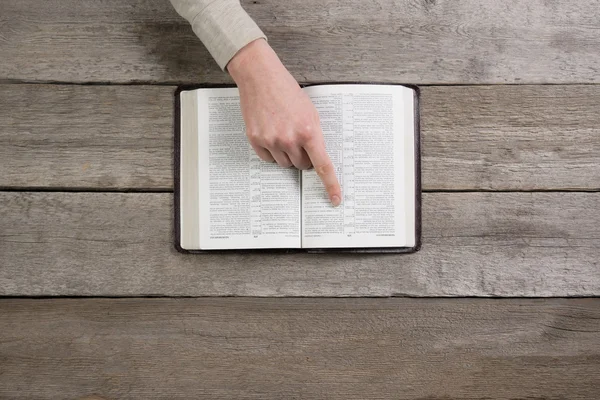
x=222 y=25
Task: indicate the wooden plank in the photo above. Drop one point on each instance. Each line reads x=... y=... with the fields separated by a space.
x=475 y=244
x=120 y=137
x=417 y=41
x=300 y=348
x=105 y=137
x=511 y=137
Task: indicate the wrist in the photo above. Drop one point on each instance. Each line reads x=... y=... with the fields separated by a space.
x=255 y=58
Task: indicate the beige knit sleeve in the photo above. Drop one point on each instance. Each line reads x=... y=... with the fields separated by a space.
x=222 y=25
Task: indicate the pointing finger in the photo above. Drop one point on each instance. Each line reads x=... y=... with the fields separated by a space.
x=325 y=169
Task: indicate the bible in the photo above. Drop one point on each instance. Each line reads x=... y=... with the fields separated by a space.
x=227 y=198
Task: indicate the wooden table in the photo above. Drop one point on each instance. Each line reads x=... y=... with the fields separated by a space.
x=500 y=303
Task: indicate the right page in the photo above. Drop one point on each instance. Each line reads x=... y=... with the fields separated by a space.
x=369 y=133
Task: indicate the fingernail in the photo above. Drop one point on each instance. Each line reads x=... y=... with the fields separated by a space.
x=335 y=200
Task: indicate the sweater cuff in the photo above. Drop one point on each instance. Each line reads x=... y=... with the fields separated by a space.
x=225 y=28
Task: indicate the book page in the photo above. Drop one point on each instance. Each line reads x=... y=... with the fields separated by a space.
x=369 y=135
x=188 y=172
x=244 y=201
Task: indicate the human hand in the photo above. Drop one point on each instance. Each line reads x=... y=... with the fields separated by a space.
x=282 y=123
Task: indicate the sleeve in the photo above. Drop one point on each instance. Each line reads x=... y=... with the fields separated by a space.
x=222 y=25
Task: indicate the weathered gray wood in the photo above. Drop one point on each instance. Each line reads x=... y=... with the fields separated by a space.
x=511 y=137
x=475 y=244
x=86 y=136
x=300 y=348
x=418 y=41
x=119 y=137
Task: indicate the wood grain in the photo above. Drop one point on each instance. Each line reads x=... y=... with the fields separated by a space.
x=511 y=137
x=103 y=137
x=413 y=41
x=300 y=348
x=475 y=244
x=483 y=137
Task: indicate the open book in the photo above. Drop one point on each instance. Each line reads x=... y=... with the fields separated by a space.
x=228 y=198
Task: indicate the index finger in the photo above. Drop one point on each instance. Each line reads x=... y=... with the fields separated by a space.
x=325 y=169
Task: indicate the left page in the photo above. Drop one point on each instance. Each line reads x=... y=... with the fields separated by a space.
x=245 y=202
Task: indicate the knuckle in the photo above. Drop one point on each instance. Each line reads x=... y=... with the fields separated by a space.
x=284 y=142
x=252 y=134
x=285 y=163
x=325 y=169
x=306 y=134
x=308 y=128
x=270 y=141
